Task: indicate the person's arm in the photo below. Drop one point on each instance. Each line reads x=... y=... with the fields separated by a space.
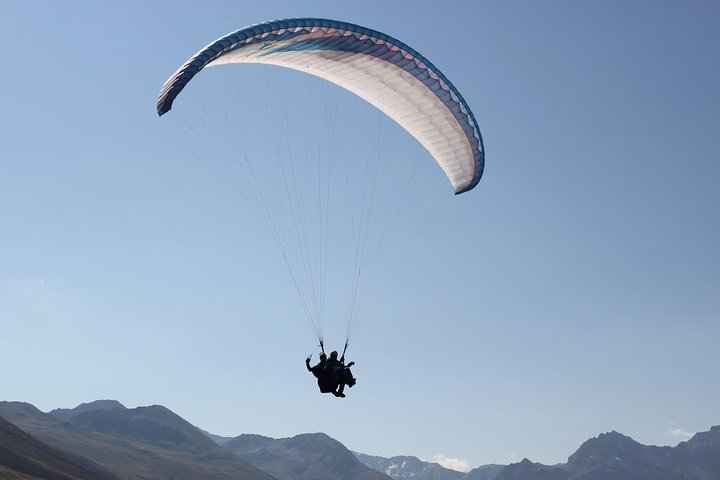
x=307 y=364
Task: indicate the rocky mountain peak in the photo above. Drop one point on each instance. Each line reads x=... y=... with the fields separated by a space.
x=68 y=413
x=606 y=447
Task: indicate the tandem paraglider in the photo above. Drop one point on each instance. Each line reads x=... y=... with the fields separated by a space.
x=388 y=74
x=332 y=374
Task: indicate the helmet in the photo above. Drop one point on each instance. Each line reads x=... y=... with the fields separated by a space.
x=333 y=354
x=323 y=357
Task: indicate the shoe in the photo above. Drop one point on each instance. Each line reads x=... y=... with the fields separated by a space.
x=337 y=394
x=341 y=395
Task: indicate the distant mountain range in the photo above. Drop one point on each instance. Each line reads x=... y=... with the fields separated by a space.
x=105 y=440
x=613 y=456
x=404 y=467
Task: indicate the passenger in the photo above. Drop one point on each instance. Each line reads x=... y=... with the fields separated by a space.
x=317 y=369
x=324 y=383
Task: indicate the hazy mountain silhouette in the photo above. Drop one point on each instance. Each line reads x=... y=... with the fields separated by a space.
x=23 y=457
x=147 y=442
x=311 y=456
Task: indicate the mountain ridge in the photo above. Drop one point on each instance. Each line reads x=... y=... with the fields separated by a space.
x=615 y=456
x=68 y=413
x=155 y=443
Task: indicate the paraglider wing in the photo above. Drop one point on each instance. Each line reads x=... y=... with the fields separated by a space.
x=376 y=67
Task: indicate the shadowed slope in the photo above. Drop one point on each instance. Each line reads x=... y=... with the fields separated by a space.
x=22 y=456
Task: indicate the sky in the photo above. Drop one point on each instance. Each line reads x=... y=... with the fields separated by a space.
x=573 y=292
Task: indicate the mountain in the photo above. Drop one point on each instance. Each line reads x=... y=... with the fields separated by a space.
x=404 y=467
x=311 y=456
x=623 y=457
x=24 y=457
x=614 y=456
x=704 y=448
x=146 y=442
x=407 y=467
x=154 y=425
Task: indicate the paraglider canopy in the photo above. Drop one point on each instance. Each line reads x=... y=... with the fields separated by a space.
x=376 y=67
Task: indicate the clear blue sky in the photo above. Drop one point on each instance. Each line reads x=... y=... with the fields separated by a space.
x=574 y=292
